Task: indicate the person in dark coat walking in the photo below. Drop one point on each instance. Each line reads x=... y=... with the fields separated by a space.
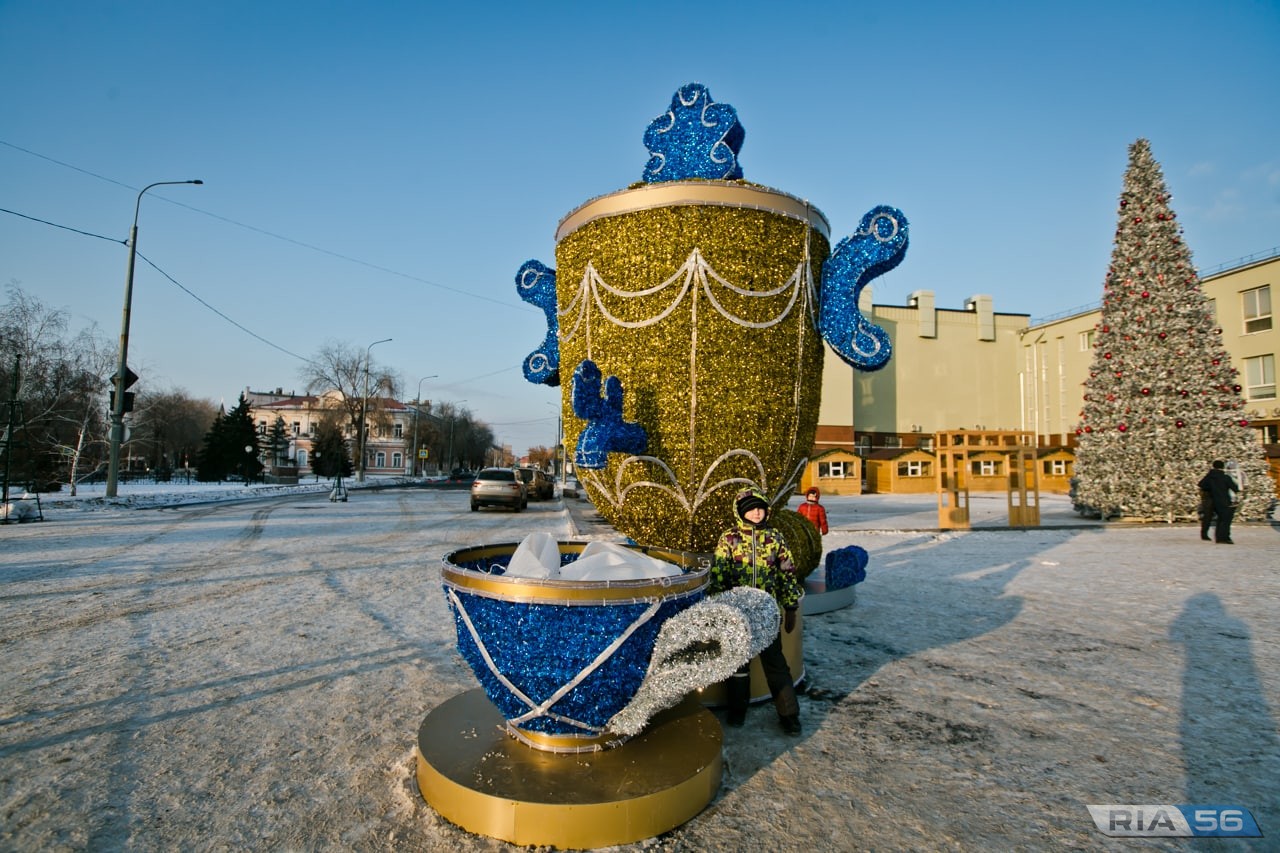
x=1217 y=500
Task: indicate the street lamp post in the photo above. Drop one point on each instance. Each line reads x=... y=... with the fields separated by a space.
x=122 y=368
x=364 y=406
x=417 y=404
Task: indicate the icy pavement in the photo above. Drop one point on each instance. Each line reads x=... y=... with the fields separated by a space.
x=251 y=674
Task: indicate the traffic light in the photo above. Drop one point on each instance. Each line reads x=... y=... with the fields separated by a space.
x=128 y=401
x=118 y=385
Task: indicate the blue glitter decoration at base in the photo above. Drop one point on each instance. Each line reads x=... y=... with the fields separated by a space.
x=584 y=658
x=846 y=567
x=876 y=247
x=606 y=432
x=695 y=138
x=536 y=284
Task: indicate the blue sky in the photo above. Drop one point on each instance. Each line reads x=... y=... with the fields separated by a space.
x=381 y=170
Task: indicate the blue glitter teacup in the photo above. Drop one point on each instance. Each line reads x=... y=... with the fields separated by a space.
x=559 y=658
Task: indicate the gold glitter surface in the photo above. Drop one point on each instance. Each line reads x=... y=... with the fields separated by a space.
x=802 y=538
x=702 y=380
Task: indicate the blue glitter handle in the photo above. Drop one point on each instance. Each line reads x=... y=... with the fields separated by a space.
x=695 y=138
x=536 y=284
x=876 y=247
x=606 y=432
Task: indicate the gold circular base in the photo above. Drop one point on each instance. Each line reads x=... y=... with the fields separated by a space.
x=477 y=776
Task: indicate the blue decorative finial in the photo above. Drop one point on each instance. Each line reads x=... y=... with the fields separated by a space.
x=877 y=247
x=606 y=432
x=696 y=138
x=536 y=284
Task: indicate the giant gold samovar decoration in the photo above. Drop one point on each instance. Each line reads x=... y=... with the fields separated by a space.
x=686 y=316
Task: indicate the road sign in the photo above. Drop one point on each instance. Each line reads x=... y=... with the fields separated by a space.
x=129 y=378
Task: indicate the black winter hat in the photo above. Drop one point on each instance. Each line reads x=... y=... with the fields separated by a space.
x=750 y=502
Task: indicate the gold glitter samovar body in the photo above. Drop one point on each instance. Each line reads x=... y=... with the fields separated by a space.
x=701 y=298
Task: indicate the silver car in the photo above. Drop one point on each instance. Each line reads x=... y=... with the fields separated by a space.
x=498 y=486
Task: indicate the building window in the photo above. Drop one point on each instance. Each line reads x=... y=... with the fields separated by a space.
x=986 y=467
x=297 y=428
x=397 y=431
x=1260 y=377
x=262 y=427
x=831 y=469
x=380 y=459
x=302 y=458
x=1086 y=341
x=397 y=460
x=892 y=441
x=916 y=468
x=1257 y=309
x=1055 y=467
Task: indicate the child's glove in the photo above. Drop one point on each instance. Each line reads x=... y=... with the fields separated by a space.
x=789 y=620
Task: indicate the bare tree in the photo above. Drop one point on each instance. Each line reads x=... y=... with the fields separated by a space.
x=169 y=426
x=61 y=382
x=342 y=367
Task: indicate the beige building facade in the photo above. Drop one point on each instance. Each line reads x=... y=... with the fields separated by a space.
x=388 y=442
x=1056 y=355
x=975 y=368
x=951 y=369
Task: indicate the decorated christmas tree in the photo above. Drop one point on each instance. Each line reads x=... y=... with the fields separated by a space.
x=1162 y=400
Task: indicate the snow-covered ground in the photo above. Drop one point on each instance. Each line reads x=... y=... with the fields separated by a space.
x=185 y=670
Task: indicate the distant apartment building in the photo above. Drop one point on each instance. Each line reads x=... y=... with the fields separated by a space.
x=388 y=445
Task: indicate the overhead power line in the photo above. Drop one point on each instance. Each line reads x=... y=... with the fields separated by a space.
x=176 y=283
x=520 y=305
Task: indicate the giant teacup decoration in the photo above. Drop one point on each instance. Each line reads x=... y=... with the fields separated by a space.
x=579 y=662
x=690 y=311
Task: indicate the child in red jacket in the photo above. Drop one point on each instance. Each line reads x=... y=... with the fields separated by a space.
x=814 y=511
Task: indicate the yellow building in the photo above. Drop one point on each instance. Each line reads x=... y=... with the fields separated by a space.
x=1057 y=353
x=951 y=369
x=978 y=369
x=901 y=470
x=837 y=471
x=1057 y=467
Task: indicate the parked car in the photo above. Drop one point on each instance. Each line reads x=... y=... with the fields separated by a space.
x=498 y=486
x=537 y=483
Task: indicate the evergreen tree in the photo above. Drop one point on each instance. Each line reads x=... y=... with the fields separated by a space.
x=329 y=456
x=223 y=453
x=1162 y=400
x=210 y=465
x=240 y=441
x=277 y=444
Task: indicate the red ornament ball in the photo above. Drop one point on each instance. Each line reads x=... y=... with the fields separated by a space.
x=1108 y=355
x=1179 y=423
x=1244 y=422
x=1123 y=428
x=1146 y=392
x=1146 y=294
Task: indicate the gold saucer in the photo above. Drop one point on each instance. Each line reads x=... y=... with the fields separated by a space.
x=479 y=777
